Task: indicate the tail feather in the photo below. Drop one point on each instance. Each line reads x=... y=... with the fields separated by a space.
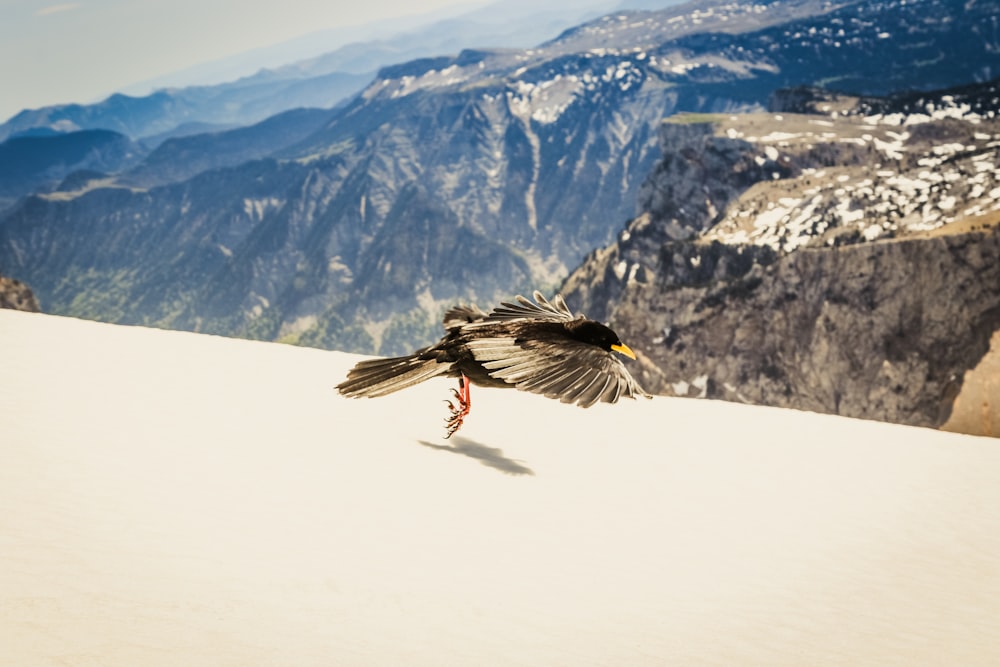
x=378 y=377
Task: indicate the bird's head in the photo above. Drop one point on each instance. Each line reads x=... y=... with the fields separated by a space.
x=600 y=335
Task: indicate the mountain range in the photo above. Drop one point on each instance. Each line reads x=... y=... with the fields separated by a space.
x=340 y=63
x=477 y=175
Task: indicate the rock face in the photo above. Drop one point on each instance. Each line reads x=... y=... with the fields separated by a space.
x=845 y=263
x=15 y=295
x=977 y=407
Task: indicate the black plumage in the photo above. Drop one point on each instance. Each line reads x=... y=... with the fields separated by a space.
x=537 y=346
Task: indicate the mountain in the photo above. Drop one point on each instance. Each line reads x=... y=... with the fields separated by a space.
x=843 y=261
x=516 y=24
x=29 y=162
x=79 y=161
x=164 y=112
x=180 y=158
x=461 y=178
x=208 y=500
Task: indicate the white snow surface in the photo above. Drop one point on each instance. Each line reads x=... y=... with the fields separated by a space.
x=177 y=499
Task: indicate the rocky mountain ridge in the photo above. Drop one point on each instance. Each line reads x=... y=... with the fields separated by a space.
x=842 y=261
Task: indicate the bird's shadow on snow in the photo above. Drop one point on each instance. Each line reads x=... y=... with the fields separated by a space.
x=491 y=457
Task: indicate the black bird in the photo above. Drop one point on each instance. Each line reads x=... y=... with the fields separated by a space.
x=539 y=347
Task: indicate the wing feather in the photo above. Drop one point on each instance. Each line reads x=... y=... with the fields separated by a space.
x=555 y=384
x=595 y=391
x=489 y=350
x=541 y=309
x=378 y=377
x=575 y=391
x=459 y=316
x=573 y=372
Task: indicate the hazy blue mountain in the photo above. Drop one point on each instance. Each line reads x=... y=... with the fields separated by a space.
x=320 y=81
x=179 y=158
x=161 y=113
x=35 y=160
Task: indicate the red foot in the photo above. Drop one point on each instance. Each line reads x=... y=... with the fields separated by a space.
x=460 y=411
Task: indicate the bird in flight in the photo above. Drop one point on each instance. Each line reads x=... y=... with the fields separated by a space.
x=539 y=346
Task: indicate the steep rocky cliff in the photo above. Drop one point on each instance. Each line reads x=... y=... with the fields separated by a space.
x=843 y=261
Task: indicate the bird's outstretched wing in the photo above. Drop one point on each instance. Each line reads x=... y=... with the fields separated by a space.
x=542 y=309
x=573 y=372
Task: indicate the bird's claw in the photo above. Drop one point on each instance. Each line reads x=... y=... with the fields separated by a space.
x=454 y=421
x=458 y=412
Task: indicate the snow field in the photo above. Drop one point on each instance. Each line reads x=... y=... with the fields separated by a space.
x=174 y=499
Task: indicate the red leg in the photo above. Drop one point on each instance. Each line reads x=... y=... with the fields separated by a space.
x=460 y=411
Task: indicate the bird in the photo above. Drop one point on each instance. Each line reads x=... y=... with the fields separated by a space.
x=538 y=346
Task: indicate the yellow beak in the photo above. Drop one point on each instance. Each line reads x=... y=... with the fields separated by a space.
x=624 y=349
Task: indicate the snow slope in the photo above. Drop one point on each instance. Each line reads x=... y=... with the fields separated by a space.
x=174 y=499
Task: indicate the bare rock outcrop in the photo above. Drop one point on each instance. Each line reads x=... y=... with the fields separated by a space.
x=17 y=296
x=842 y=262
x=977 y=407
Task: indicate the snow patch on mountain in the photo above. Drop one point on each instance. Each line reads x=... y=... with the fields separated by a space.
x=903 y=181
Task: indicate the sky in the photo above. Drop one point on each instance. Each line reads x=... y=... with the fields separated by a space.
x=54 y=52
